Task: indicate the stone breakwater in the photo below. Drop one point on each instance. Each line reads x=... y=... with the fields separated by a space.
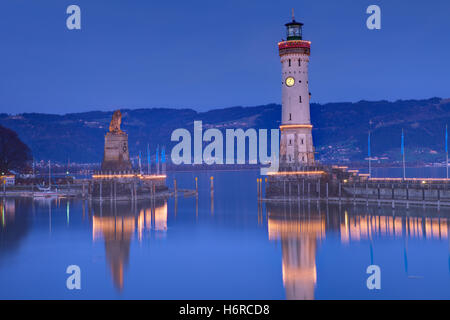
x=341 y=184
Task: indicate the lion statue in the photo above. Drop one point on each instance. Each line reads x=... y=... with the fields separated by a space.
x=116 y=120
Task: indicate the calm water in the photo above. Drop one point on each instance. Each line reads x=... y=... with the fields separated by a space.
x=228 y=248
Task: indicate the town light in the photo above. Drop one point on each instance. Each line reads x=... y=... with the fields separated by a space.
x=140 y=176
x=295 y=173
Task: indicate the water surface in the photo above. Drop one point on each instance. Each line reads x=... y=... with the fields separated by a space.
x=221 y=246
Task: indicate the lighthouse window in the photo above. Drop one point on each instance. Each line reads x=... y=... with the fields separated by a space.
x=290 y=118
x=300 y=99
x=299 y=62
x=290 y=142
x=289 y=62
x=301 y=141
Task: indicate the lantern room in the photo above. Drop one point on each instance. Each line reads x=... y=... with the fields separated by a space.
x=294 y=30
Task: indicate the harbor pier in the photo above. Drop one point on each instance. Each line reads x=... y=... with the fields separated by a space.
x=338 y=184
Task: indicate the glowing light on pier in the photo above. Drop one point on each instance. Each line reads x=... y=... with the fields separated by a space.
x=287 y=173
x=422 y=180
x=129 y=175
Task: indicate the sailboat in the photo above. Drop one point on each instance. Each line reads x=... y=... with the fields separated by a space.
x=46 y=192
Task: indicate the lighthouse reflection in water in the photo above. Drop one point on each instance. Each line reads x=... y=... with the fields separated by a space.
x=221 y=245
x=302 y=228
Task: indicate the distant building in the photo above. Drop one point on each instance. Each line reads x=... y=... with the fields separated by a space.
x=8 y=179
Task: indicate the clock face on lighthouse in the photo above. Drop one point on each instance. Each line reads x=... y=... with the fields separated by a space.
x=290 y=81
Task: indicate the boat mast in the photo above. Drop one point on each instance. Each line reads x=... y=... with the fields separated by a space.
x=49 y=174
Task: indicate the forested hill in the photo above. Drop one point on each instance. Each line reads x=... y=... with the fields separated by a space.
x=340 y=129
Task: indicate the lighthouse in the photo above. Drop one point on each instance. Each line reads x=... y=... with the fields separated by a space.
x=296 y=145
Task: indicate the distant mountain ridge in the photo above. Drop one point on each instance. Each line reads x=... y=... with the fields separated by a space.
x=340 y=129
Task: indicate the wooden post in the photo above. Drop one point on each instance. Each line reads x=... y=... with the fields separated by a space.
x=257 y=187
x=212 y=184
x=289 y=190
x=303 y=189
x=407 y=191
x=423 y=196
x=407 y=196
x=101 y=190
x=319 y=187
x=393 y=196
x=439 y=197
x=196 y=206
x=327 y=191
x=367 y=194
x=309 y=191
x=298 y=191
x=392 y=191
x=196 y=185
x=151 y=192
x=175 y=189
x=354 y=193
x=265 y=188
x=379 y=195
x=260 y=188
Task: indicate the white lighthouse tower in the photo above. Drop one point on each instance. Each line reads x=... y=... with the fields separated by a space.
x=296 y=145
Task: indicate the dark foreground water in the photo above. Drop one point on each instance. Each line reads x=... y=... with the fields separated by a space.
x=228 y=248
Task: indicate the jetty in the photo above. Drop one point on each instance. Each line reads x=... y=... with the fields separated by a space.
x=339 y=184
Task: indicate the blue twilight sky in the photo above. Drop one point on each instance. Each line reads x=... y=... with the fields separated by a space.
x=209 y=54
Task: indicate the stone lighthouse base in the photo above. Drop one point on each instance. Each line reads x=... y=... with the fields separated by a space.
x=315 y=181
